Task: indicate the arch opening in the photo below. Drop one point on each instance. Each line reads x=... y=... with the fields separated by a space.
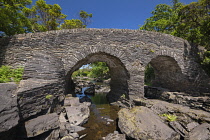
x=164 y=72
x=118 y=73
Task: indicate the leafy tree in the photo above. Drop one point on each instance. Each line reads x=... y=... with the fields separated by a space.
x=99 y=70
x=164 y=18
x=85 y=17
x=71 y=24
x=12 y=19
x=194 y=23
x=44 y=17
x=191 y=22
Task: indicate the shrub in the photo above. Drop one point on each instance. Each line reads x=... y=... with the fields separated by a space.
x=8 y=74
x=49 y=96
x=169 y=117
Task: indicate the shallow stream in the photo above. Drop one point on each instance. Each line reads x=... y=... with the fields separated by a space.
x=102 y=120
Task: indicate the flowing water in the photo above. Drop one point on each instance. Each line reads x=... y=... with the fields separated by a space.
x=102 y=120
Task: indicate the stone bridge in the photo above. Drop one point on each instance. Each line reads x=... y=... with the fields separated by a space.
x=55 y=55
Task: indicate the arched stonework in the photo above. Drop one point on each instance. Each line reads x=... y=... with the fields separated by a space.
x=133 y=49
x=119 y=75
x=168 y=74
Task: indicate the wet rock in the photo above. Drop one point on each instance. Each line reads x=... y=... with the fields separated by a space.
x=141 y=123
x=68 y=138
x=107 y=81
x=90 y=91
x=74 y=135
x=9 y=116
x=82 y=136
x=41 y=124
x=77 y=115
x=201 y=132
x=110 y=120
x=139 y=102
x=113 y=136
x=85 y=99
x=105 y=89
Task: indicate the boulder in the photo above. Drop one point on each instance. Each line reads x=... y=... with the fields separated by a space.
x=69 y=128
x=78 y=115
x=41 y=124
x=85 y=99
x=90 y=91
x=9 y=116
x=71 y=101
x=201 y=132
x=38 y=95
x=141 y=123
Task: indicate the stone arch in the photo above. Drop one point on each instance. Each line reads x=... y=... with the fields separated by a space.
x=118 y=72
x=168 y=73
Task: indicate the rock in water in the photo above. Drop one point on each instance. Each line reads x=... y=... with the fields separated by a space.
x=78 y=115
x=90 y=91
x=112 y=136
x=141 y=123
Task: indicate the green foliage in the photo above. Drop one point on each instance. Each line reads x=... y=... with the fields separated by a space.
x=85 y=17
x=81 y=72
x=191 y=22
x=99 y=70
x=123 y=96
x=206 y=62
x=71 y=24
x=7 y=74
x=12 y=19
x=16 y=17
x=194 y=23
x=169 y=117
x=44 y=17
x=49 y=96
x=164 y=18
x=152 y=50
x=149 y=75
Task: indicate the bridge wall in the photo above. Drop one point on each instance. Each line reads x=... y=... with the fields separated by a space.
x=127 y=52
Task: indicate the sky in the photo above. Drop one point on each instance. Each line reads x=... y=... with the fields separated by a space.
x=118 y=14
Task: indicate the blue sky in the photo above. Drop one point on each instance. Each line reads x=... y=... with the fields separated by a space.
x=120 y=14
